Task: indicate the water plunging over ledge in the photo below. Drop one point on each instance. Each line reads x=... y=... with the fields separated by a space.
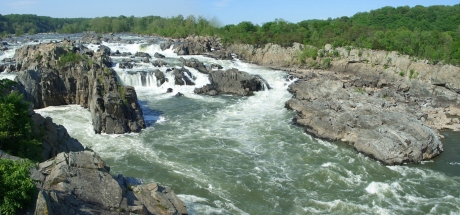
x=242 y=155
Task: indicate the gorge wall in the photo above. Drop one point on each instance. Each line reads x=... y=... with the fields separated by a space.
x=63 y=73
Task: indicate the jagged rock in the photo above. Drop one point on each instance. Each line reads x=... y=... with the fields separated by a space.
x=80 y=183
x=104 y=50
x=220 y=55
x=55 y=137
x=330 y=109
x=232 y=81
x=169 y=90
x=89 y=83
x=449 y=77
x=216 y=66
x=159 y=63
x=143 y=55
x=179 y=94
x=195 y=45
x=271 y=55
x=196 y=64
x=208 y=89
x=158 y=55
x=160 y=77
x=125 y=65
x=183 y=76
x=166 y=45
x=8 y=60
x=89 y=38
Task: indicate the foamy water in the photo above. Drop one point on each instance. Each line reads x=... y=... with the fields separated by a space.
x=242 y=155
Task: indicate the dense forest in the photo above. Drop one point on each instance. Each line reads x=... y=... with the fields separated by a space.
x=426 y=32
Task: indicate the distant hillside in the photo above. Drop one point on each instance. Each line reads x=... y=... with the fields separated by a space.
x=426 y=32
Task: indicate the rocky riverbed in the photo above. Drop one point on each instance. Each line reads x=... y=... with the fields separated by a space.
x=204 y=146
x=387 y=105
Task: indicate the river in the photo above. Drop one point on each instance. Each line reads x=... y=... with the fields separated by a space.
x=243 y=155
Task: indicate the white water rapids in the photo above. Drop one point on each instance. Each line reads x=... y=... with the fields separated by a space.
x=242 y=155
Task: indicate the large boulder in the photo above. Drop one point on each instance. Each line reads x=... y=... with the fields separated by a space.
x=88 y=81
x=81 y=183
x=158 y=55
x=196 y=64
x=338 y=110
x=232 y=81
x=142 y=55
x=182 y=76
x=159 y=63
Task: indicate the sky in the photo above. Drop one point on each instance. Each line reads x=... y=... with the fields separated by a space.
x=225 y=11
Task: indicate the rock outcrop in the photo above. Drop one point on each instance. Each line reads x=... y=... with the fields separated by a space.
x=55 y=138
x=199 y=45
x=418 y=98
x=61 y=73
x=80 y=183
x=182 y=76
x=370 y=118
x=271 y=55
x=232 y=81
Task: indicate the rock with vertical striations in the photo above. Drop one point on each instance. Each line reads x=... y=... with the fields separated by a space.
x=48 y=80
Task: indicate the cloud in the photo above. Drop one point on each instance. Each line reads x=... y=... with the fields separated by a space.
x=222 y=3
x=22 y=4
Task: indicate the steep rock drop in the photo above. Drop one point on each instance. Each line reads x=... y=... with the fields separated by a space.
x=63 y=73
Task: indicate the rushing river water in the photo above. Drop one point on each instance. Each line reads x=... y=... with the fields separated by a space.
x=243 y=155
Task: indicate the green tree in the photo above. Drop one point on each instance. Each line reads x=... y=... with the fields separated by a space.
x=17 y=189
x=16 y=134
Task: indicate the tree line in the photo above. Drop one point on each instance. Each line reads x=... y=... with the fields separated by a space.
x=427 y=32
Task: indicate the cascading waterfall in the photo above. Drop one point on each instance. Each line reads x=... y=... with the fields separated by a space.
x=242 y=155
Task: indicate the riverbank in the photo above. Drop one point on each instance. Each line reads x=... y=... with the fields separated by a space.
x=401 y=100
x=242 y=155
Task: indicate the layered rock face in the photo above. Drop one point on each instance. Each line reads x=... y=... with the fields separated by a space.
x=271 y=55
x=198 y=45
x=389 y=106
x=80 y=183
x=332 y=107
x=62 y=73
x=55 y=137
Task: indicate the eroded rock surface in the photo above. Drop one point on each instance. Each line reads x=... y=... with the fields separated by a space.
x=47 y=79
x=371 y=119
x=80 y=183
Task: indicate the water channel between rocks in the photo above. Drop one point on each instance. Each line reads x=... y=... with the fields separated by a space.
x=243 y=155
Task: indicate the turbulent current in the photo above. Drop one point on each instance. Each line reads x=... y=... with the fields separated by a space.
x=243 y=155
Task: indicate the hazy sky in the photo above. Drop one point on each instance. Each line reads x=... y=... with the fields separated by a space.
x=227 y=11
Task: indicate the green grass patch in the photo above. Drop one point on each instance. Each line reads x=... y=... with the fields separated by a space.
x=402 y=73
x=121 y=91
x=308 y=52
x=413 y=74
x=69 y=57
x=360 y=90
x=326 y=63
